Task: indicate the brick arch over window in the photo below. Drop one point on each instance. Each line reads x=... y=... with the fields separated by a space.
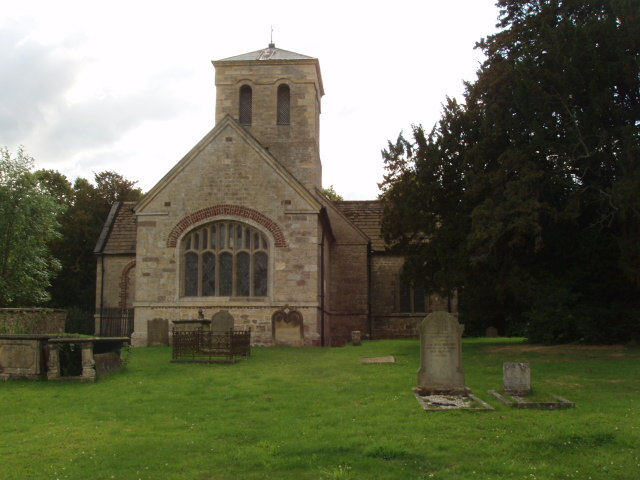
x=231 y=210
x=125 y=286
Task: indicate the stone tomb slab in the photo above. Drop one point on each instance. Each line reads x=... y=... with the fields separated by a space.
x=388 y=359
x=436 y=403
x=515 y=401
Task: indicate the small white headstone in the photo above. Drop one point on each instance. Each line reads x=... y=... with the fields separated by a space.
x=516 y=378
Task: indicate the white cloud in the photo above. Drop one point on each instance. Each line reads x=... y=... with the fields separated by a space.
x=128 y=86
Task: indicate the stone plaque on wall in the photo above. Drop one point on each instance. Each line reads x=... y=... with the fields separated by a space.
x=441 y=355
x=158 y=332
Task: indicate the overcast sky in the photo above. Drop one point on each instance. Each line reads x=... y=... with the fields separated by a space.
x=128 y=86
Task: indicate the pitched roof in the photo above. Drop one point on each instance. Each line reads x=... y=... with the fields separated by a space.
x=119 y=232
x=367 y=216
x=269 y=53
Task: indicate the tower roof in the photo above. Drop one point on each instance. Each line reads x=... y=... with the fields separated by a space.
x=269 y=53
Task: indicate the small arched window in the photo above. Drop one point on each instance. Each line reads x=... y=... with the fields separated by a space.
x=284 y=105
x=245 y=105
x=225 y=259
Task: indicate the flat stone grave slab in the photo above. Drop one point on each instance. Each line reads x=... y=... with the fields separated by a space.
x=388 y=359
x=440 y=402
x=516 y=401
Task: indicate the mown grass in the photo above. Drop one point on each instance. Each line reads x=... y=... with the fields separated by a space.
x=317 y=413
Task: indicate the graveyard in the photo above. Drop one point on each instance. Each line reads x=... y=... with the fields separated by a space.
x=293 y=413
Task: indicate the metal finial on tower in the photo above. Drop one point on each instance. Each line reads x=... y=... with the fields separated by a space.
x=271 y=44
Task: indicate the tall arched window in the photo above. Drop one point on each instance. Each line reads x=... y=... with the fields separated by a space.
x=225 y=259
x=284 y=105
x=245 y=105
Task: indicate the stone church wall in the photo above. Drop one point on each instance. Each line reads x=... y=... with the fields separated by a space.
x=112 y=274
x=386 y=319
x=227 y=180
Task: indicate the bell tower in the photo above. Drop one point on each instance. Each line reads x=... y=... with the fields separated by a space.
x=276 y=95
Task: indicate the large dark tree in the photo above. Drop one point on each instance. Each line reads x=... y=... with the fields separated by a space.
x=81 y=223
x=527 y=193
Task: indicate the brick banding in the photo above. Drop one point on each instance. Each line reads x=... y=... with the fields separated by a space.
x=230 y=210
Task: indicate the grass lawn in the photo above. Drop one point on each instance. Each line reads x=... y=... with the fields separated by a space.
x=313 y=413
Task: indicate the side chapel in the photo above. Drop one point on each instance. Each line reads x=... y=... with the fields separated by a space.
x=240 y=224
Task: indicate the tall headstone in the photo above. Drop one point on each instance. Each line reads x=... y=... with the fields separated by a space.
x=441 y=355
x=516 y=378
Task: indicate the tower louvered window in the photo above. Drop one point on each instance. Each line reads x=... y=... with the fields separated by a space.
x=284 y=105
x=225 y=259
x=245 y=105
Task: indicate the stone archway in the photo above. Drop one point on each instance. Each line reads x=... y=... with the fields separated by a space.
x=287 y=327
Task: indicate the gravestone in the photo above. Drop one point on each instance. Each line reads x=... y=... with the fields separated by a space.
x=158 y=332
x=222 y=322
x=287 y=327
x=441 y=355
x=491 y=332
x=356 y=338
x=516 y=378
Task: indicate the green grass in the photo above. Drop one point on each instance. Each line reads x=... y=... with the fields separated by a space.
x=313 y=413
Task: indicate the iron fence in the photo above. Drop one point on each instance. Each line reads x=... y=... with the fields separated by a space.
x=116 y=322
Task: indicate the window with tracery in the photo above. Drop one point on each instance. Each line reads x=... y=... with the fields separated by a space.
x=225 y=259
x=246 y=108
x=284 y=105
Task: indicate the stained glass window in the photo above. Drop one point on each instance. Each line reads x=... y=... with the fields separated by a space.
x=260 y=268
x=208 y=274
x=225 y=259
x=242 y=276
x=191 y=274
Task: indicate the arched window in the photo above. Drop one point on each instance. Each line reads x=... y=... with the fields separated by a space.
x=245 y=105
x=225 y=259
x=284 y=105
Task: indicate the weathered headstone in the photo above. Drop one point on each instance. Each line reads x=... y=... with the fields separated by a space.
x=158 y=332
x=287 y=327
x=222 y=322
x=356 y=338
x=441 y=355
x=516 y=378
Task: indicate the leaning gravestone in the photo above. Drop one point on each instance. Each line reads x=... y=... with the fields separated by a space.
x=222 y=322
x=441 y=355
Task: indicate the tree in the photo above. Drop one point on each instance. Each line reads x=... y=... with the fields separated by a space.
x=81 y=224
x=332 y=195
x=527 y=193
x=28 y=222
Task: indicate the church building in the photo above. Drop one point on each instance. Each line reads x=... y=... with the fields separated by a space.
x=240 y=225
